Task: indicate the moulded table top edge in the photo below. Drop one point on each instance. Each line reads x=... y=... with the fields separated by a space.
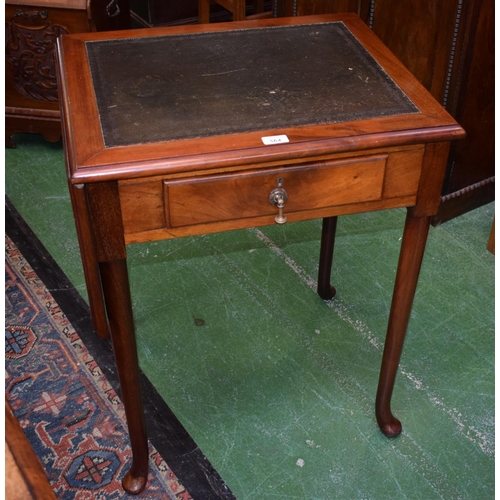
x=118 y=170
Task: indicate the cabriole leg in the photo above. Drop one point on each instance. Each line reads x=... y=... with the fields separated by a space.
x=115 y=284
x=410 y=260
x=325 y=290
x=105 y=215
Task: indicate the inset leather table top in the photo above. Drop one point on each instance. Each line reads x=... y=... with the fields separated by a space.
x=185 y=86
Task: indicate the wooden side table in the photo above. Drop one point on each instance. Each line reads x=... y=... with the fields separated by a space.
x=198 y=129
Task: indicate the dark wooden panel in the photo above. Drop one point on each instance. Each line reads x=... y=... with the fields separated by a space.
x=420 y=33
x=449 y=46
x=475 y=108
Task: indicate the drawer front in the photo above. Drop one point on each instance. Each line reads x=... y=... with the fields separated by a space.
x=244 y=195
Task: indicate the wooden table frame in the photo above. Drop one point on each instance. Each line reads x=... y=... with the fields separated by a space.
x=409 y=152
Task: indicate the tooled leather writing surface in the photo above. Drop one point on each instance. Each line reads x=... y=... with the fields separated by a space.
x=167 y=88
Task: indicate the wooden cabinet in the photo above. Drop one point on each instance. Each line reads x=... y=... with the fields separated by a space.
x=31 y=31
x=449 y=46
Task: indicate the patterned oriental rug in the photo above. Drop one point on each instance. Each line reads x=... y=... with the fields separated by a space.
x=71 y=415
x=62 y=384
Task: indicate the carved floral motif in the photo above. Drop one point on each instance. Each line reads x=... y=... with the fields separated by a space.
x=30 y=52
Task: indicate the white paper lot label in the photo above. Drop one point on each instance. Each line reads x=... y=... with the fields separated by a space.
x=275 y=139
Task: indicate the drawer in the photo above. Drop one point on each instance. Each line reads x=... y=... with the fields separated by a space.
x=242 y=195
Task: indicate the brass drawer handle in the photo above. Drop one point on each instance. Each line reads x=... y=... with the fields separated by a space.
x=278 y=197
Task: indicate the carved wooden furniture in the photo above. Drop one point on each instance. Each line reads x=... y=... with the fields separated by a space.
x=449 y=47
x=32 y=28
x=294 y=119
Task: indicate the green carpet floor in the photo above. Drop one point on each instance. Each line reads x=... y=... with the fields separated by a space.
x=275 y=385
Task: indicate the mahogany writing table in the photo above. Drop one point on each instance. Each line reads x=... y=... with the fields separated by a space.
x=181 y=131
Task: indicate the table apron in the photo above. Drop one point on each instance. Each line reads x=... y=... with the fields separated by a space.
x=170 y=207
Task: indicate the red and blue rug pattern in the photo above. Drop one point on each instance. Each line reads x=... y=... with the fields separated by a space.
x=72 y=417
